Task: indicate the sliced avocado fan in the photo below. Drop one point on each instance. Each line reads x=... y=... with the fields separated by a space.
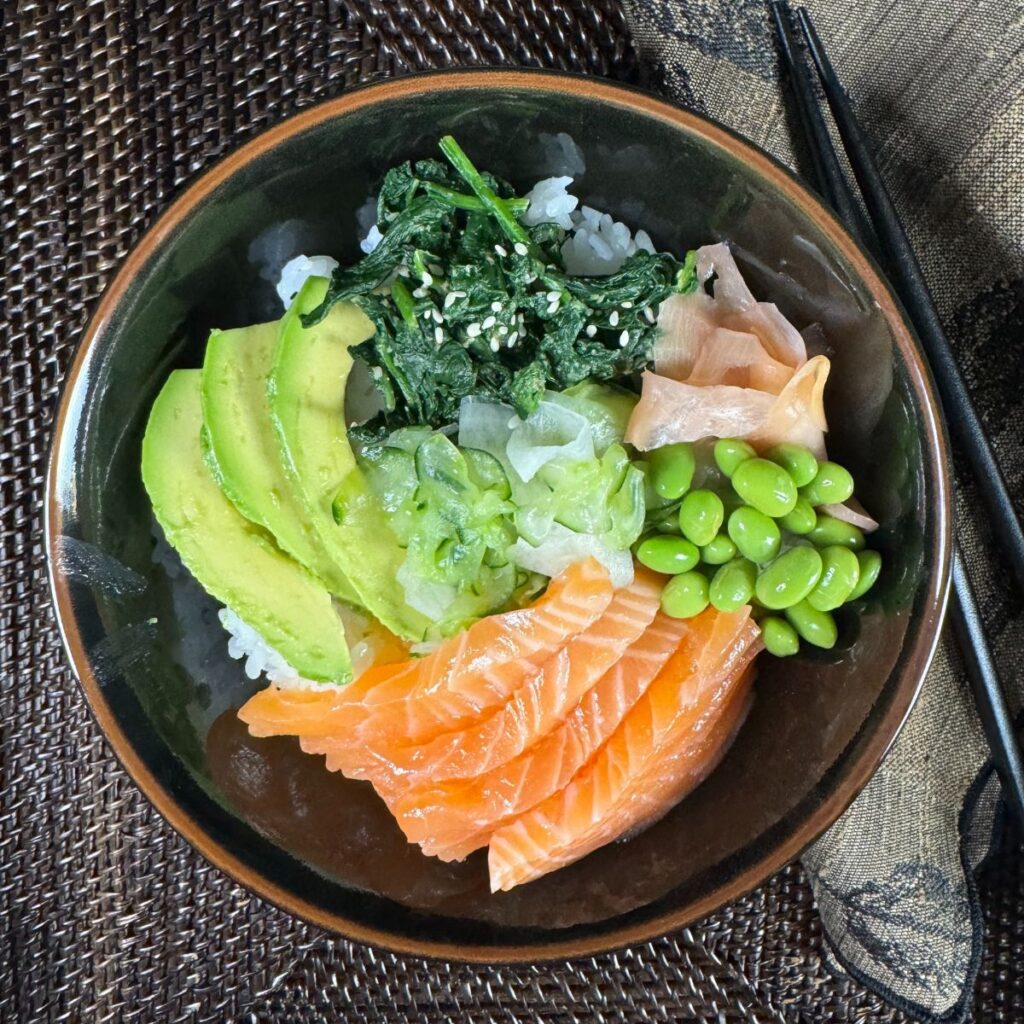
x=243 y=450
x=234 y=560
x=307 y=397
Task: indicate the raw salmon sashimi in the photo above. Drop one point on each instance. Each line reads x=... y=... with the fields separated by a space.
x=451 y=819
x=531 y=712
x=662 y=749
x=473 y=670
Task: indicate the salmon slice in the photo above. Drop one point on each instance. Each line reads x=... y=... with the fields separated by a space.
x=451 y=819
x=476 y=669
x=532 y=711
x=664 y=747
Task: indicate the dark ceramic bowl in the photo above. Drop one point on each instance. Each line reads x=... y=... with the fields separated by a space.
x=151 y=657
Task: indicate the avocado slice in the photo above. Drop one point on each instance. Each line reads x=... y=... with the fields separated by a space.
x=243 y=451
x=307 y=396
x=234 y=560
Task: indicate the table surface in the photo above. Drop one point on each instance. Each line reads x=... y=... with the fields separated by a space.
x=109 y=916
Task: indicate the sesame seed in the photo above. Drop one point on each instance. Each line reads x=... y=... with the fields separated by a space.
x=614 y=318
x=554 y=296
x=473 y=330
x=553 y=308
x=521 y=249
x=438 y=319
x=591 y=330
x=420 y=293
x=403 y=271
x=489 y=323
x=427 y=279
x=495 y=344
x=426 y=314
x=624 y=339
x=438 y=335
x=495 y=307
x=501 y=250
x=627 y=304
x=649 y=314
x=502 y=329
x=512 y=339
x=449 y=299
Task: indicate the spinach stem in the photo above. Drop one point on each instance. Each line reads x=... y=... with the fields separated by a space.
x=403 y=300
x=498 y=207
x=462 y=201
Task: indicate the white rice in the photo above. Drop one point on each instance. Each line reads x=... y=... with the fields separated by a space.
x=297 y=271
x=245 y=643
x=550 y=203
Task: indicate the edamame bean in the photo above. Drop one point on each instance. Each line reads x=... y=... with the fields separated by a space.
x=799 y=462
x=732 y=586
x=817 y=628
x=719 y=551
x=730 y=452
x=672 y=470
x=801 y=519
x=779 y=637
x=790 y=578
x=669 y=555
x=839 y=575
x=766 y=486
x=828 y=530
x=685 y=595
x=870 y=565
x=700 y=516
x=832 y=485
x=755 y=535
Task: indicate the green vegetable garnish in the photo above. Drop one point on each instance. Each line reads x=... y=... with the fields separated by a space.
x=466 y=300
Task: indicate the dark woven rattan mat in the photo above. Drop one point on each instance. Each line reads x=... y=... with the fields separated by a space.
x=109 y=107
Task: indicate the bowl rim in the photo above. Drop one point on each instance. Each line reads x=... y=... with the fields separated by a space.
x=936 y=468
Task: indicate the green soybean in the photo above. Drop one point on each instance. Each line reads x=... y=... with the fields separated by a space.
x=828 y=531
x=755 y=535
x=790 y=578
x=832 y=485
x=669 y=555
x=839 y=575
x=672 y=470
x=730 y=452
x=718 y=551
x=700 y=516
x=732 y=586
x=801 y=519
x=870 y=565
x=780 y=638
x=817 y=628
x=765 y=486
x=685 y=595
x=799 y=462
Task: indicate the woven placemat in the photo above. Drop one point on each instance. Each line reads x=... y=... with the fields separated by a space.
x=106 y=914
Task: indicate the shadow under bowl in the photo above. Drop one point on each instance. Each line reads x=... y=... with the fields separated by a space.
x=144 y=639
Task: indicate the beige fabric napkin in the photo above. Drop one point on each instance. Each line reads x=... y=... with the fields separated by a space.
x=938 y=88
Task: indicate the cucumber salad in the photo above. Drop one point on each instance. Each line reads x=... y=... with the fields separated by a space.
x=502 y=386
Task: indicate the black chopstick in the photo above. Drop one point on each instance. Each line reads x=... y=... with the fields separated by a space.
x=981 y=670
x=996 y=720
x=901 y=263
x=825 y=164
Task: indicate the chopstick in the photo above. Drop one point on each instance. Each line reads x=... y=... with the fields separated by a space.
x=890 y=237
x=902 y=266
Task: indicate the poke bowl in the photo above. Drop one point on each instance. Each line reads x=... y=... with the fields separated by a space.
x=499 y=515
